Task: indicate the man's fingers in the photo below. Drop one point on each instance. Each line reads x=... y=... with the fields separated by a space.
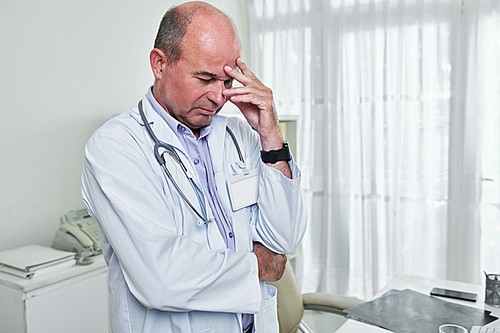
x=250 y=99
x=245 y=77
x=254 y=89
x=244 y=68
x=240 y=77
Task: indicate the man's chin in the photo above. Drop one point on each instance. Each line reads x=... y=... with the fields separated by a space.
x=203 y=121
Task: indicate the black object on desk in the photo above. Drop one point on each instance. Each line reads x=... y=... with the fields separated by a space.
x=470 y=297
x=407 y=311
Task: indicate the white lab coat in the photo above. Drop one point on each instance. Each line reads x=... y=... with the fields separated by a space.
x=166 y=272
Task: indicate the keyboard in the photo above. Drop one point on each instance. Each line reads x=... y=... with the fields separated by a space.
x=481 y=329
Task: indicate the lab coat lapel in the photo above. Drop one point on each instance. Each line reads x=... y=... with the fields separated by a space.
x=220 y=156
x=216 y=141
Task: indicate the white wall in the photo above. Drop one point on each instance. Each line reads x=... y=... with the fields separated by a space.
x=65 y=68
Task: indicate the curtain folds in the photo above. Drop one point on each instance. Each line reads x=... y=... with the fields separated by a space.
x=398 y=134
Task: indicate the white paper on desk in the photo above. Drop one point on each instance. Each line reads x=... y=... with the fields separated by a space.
x=31 y=257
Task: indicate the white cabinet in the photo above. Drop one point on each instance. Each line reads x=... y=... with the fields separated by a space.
x=72 y=300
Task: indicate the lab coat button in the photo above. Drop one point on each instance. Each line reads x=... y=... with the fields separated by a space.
x=201 y=223
x=196 y=161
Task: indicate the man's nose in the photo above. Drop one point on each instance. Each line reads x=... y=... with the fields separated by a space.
x=215 y=93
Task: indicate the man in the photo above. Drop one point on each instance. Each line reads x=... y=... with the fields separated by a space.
x=196 y=263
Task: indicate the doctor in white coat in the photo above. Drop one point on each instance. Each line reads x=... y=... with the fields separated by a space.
x=199 y=263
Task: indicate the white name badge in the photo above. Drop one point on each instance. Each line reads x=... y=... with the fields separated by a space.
x=244 y=189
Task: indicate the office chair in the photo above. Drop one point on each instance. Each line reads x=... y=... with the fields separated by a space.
x=291 y=303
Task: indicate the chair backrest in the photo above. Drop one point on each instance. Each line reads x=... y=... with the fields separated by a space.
x=290 y=306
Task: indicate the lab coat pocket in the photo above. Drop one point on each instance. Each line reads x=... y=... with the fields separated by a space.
x=267 y=320
x=234 y=168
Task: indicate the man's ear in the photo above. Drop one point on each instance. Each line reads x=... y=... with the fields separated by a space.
x=158 y=62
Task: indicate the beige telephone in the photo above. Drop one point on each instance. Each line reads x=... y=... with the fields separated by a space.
x=78 y=233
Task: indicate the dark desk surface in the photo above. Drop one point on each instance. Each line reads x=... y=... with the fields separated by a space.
x=424 y=285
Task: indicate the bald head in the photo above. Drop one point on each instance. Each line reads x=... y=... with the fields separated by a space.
x=198 y=20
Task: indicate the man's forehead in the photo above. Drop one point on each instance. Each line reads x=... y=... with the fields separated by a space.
x=211 y=35
x=207 y=47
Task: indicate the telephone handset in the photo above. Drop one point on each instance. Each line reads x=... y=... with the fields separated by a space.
x=78 y=233
x=82 y=237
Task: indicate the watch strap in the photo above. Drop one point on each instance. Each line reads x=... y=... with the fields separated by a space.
x=274 y=156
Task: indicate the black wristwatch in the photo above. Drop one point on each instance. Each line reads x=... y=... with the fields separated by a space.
x=274 y=156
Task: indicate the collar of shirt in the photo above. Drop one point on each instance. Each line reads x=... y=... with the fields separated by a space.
x=177 y=127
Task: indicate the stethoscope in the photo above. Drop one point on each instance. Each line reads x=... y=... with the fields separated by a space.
x=189 y=174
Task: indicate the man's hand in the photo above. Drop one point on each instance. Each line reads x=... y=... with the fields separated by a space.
x=255 y=102
x=271 y=264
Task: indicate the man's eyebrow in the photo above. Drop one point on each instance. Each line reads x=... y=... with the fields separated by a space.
x=206 y=73
x=209 y=74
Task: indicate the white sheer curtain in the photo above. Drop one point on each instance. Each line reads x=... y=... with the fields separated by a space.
x=398 y=134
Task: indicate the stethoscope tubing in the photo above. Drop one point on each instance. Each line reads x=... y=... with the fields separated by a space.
x=170 y=149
